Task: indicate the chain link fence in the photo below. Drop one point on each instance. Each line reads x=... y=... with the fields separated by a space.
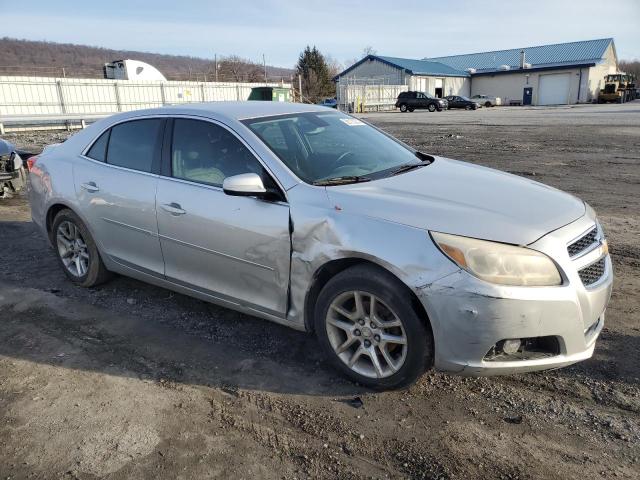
x=358 y=97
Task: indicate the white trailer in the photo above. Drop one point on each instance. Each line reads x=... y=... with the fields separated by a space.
x=131 y=70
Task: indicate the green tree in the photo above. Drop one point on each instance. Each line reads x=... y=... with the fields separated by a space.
x=316 y=80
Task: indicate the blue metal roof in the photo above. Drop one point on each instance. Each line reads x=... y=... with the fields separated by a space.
x=560 y=54
x=413 y=67
x=423 y=67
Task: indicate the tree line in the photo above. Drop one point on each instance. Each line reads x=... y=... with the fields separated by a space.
x=630 y=66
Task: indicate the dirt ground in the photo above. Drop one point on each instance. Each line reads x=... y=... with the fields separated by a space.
x=132 y=381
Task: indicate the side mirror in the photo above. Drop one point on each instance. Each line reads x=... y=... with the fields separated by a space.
x=244 y=185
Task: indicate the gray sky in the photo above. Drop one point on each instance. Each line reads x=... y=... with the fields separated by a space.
x=280 y=29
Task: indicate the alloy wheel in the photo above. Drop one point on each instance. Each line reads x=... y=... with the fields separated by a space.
x=72 y=249
x=366 y=334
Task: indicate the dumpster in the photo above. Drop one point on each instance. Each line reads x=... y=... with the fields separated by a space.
x=270 y=94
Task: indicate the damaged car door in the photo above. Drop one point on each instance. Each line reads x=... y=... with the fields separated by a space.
x=235 y=248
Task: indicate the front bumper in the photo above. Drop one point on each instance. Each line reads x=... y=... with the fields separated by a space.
x=469 y=317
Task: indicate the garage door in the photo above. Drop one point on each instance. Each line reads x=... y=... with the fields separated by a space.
x=554 y=89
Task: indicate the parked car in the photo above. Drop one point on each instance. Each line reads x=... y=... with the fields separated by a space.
x=396 y=259
x=13 y=177
x=487 y=100
x=410 y=101
x=456 y=101
x=329 y=102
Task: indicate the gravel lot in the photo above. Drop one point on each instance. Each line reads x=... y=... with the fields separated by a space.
x=133 y=381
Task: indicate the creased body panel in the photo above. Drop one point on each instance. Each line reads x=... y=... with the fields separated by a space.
x=322 y=233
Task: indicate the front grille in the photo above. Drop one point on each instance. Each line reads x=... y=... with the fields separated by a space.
x=591 y=274
x=583 y=242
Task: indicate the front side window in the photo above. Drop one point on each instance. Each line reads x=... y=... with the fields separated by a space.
x=207 y=153
x=134 y=144
x=321 y=146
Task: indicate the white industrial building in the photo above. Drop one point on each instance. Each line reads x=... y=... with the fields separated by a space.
x=564 y=73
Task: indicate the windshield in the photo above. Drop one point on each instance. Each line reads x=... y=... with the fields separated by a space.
x=466 y=98
x=319 y=146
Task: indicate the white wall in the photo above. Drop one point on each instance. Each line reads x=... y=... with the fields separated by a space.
x=510 y=86
x=451 y=85
x=52 y=96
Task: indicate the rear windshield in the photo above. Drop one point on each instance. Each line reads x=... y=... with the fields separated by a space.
x=320 y=146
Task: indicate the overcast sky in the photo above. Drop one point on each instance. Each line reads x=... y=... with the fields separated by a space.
x=341 y=28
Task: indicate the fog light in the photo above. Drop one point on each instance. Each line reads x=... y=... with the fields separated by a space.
x=511 y=346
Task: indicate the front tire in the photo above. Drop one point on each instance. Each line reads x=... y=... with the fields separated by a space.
x=77 y=251
x=403 y=107
x=367 y=326
x=488 y=104
x=432 y=108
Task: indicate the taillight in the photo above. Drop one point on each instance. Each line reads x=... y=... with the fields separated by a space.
x=31 y=161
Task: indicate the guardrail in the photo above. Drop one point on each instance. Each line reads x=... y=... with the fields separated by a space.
x=26 y=123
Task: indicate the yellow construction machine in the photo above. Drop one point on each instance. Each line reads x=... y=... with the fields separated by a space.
x=619 y=88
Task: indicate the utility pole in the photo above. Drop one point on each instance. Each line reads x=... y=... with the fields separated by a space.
x=216 y=65
x=264 y=62
x=300 y=86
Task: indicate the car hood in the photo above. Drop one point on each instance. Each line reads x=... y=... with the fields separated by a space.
x=463 y=199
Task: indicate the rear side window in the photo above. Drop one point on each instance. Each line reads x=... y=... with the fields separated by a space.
x=135 y=144
x=98 y=150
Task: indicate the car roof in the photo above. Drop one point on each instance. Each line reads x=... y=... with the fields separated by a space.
x=229 y=110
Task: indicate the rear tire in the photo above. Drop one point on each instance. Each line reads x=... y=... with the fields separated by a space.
x=344 y=329
x=403 y=107
x=488 y=104
x=77 y=251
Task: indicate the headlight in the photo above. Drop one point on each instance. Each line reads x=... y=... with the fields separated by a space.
x=499 y=263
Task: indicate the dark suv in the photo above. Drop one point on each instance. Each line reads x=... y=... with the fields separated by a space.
x=409 y=101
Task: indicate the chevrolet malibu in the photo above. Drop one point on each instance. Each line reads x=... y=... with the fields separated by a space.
x=397 y=260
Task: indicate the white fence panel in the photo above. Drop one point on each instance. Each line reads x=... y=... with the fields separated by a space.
x=77 y=96
x=89 y=96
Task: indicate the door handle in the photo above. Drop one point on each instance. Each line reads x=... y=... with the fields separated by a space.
x=173 y=208
x=90 y=187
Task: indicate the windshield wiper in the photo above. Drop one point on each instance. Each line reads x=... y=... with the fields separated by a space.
x=407 y=167
x=342 y=180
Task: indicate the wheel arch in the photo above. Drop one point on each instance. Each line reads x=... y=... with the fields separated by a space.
x=56 y=207
x=52 y=211
x=331 y=268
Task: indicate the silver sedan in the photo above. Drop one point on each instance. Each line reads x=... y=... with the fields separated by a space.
x=396 y=259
